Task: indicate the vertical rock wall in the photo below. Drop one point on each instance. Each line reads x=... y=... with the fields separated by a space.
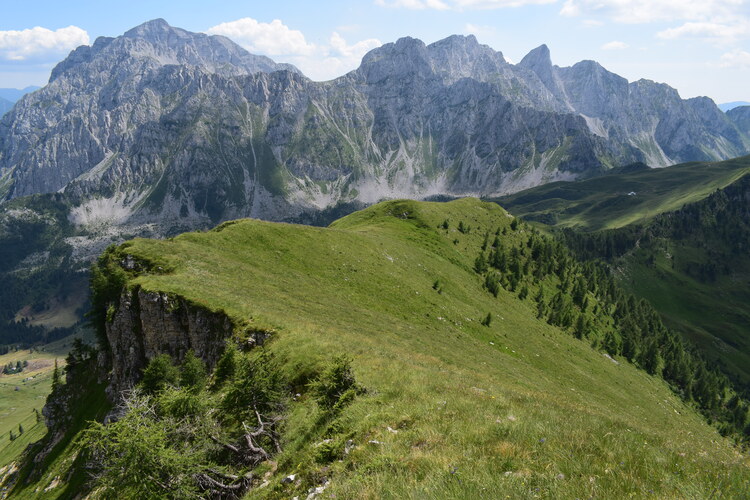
x=147 y=324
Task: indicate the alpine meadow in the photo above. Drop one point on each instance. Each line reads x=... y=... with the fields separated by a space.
x=271 y=256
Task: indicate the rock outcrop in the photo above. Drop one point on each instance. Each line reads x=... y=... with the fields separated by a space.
x=147 y=324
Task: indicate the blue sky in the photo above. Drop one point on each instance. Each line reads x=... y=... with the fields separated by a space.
x=700 y=47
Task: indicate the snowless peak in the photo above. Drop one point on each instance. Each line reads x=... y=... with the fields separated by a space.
x=466 y=46
x=457 y=41
x=538 y=57
x=151 y=28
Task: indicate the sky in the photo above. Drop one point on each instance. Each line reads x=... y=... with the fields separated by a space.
x=700 y=47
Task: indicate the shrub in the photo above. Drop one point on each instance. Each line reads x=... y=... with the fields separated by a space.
x=480 y=264
x=138 y=458
x=256 y=386
x=181 y=403
x=159 y=373
x=487 y=319
x=193 y=372
x=335 y=387
x=227 y=364
x=492 y=283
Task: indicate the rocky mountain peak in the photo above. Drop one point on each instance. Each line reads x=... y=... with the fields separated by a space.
x=537 y=59
x=153 y=30
x=395 y=60
x=156 y=44
x=448 y=60
x=459 y=57
x=457 y=45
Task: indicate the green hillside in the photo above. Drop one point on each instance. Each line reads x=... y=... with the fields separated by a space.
x=606 y=202
x=446 y=401
x=22 y=395
x=692 y=265
x=680 y=242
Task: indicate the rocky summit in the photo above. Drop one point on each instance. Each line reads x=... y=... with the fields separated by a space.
x=185 y=129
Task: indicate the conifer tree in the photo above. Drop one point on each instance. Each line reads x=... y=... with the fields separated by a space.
x=480 y=264
x=55 y=377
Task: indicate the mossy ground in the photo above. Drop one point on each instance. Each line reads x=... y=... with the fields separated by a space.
x=453 y=409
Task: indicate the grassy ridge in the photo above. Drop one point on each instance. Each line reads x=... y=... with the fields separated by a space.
x=453 y=408
x=605 y=202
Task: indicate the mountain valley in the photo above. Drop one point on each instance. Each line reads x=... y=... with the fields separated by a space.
x=439 y=275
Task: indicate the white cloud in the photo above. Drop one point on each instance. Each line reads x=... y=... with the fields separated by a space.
x=336 y=58
x=413 y=4
x=615 y=45
x=479 y=30
x=721 y=22
x=591 y=23
x=458 y=4
x=497 y=4
x=272 y=39
x=340 y=48
x=735 y=59
x=645 y=11
x=719 y=32
x=275 y=39
x=40 y=43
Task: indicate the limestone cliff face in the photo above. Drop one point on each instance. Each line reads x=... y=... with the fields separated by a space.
x=147 y=324
x=177 y=130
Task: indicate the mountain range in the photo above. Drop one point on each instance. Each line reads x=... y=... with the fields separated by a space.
x=184 y=130
x=13 y=95
x=9 y=96
x=5 y=106
x=410 y=349
x=727 y=106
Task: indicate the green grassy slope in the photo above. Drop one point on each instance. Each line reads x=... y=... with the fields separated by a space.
x=604 y=202
x=714 y=315
x=664 y=268
x=22 y=393
x=518 y=409
x=692 y=264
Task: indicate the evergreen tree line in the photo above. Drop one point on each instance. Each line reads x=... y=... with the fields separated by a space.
x=719 y=226
x=584 y=299
x=43 y=227
x=16 y=367
x=706 y=241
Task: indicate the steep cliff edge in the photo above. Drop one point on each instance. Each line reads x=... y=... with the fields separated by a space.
x=146 y=324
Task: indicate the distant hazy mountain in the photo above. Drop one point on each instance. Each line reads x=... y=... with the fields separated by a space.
x=741 y=118
x=731 y=105
x=163 y=125
x=5 y=106
x=13 y=95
